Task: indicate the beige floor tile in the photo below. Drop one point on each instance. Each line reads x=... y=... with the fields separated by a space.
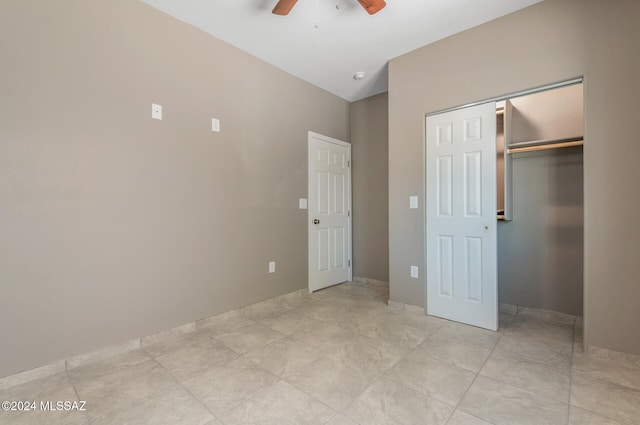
x=608 y=371
x=196 y=358
x=175 y=406
x=388 y=402
x=536 y=377
x=340 y=420
x=177 y=342
x=556 y=333
x=578 y=416
x=461 y=418
x=332 y=380
x=324 y=336
x=284 y=356
x=397 y=334
x=53 y=388
x=288 y=322
x=374 y=311
x=546 y=315
x=439 y=380
x=325 y=311
x=120 y=389
x=503 y=404
x=427 y=324
x=249 y=338
x=326 y=292
x=605 y=398
x=39 y=417
x=280 y=404
x=555 y=355
x=357 y=323
x=224 y=387
x=364 y=290
x=346 y=300
x=224 y=323
x=464 y=346
x=368 y=353
x=109 y=365
x=347 y=350
x=264 y=310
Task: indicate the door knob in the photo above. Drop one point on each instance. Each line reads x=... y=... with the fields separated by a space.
x=316 y=221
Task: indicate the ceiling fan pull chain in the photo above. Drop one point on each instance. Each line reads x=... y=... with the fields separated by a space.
x=317 y=24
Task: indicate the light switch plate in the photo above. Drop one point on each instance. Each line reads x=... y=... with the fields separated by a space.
x=303 y=204
x=272 y=266
x=414 y=272
x=156 y=111
x=413 y=202
x=215 y=125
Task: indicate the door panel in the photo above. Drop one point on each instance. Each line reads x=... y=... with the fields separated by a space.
x=329 y=205
x=461 y=245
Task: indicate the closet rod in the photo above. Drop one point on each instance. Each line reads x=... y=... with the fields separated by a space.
x=540 y=145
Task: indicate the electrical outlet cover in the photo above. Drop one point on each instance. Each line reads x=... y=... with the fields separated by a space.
x=156 y=111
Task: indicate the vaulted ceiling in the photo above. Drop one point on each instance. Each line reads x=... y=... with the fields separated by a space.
x=326 y=42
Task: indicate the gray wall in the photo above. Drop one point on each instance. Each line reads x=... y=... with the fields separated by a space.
x=115 y=225
x=551 y=41
x=540 y=252
x=369 y=139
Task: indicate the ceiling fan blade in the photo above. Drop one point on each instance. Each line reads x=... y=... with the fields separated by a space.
x=372 y=6
x=284 y=7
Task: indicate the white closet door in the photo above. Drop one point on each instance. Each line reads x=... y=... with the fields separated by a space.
x=461 y=244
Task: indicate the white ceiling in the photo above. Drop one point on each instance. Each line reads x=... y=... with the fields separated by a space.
x=347 y=39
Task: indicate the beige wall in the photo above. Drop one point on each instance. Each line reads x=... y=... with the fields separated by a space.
x=551 y=41
x=369 y=139
x=115 y=225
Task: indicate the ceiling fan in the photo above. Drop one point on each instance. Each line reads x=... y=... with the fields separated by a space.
x=371 y=6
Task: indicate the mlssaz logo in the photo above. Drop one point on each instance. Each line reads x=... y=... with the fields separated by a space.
x=63 y=405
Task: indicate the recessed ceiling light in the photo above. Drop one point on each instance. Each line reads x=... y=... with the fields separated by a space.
x=358 y=76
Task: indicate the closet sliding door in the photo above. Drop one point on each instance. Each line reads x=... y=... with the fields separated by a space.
x=461 y=238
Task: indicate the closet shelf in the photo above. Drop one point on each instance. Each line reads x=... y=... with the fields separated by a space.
x=538 y=145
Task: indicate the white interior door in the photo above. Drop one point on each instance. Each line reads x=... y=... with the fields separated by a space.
x=461 y=245
x=329 y=211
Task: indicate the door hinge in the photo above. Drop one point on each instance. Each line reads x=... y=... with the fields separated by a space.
x=348 y=164
x=348 y=263
x=348 y=213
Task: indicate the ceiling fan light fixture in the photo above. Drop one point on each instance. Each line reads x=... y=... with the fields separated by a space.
x=283 y=7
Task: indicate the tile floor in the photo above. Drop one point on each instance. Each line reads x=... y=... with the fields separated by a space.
x=341 y=357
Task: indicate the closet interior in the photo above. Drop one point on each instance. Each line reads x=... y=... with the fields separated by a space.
x=540 y=200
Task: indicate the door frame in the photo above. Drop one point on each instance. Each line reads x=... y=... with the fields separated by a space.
x=327 y=139
x=547 y=87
